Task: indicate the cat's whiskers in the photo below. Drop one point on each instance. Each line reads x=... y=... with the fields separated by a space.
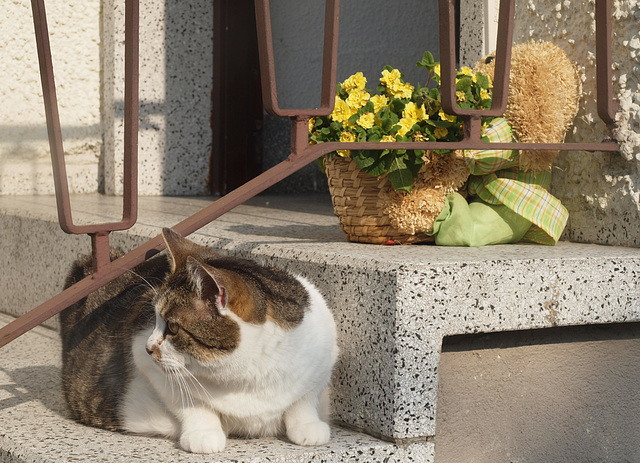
x=199 y=386
x=145 y=280
x=185 y=394
x=176 y=374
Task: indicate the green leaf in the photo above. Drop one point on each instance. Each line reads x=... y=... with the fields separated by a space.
x=396 y=105
x=374 y=135
x=386 y=124
x=414 y=163
x=438 y=123
x=483 y=81
x=370 y=162
x=464 y=84
x=368 y=108
x=427 y=61
x=400 y=175
x=363 y=159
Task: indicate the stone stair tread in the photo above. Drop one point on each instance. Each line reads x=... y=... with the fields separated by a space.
x=35 y=427
x=393 y=305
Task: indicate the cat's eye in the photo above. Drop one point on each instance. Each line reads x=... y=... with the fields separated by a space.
x=172 y=328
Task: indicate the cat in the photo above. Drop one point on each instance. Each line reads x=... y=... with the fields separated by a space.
x=198 y=347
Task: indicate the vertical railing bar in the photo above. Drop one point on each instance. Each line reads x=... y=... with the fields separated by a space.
x=100 y=251
x=330 y=54
x=446 y=27
x=267 y=62
x=504 y=42
x=606 y=104
x=266 y=58
x=131 y=109
x=52 y=115
x=446 y=11
x=55 y=132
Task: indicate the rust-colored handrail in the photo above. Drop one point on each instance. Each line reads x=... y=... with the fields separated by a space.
x=301 y=153
x=98 y=232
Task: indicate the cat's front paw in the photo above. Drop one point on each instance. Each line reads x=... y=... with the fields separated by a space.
x=203 y=441
x=313 y=433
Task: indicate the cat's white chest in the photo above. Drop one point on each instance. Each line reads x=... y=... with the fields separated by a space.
x=275 y=377
x=268 y=372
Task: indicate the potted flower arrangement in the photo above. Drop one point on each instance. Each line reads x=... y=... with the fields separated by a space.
x=396 y=112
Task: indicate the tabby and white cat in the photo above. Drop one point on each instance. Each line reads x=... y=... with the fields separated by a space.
x=207 y=347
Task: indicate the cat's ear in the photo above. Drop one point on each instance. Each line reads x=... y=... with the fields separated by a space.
x=210 y=283
x=181 y=248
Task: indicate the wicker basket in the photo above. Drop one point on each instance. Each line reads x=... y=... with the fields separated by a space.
x=357 y=202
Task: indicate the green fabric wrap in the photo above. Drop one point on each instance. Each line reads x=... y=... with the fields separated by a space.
x=506 y=204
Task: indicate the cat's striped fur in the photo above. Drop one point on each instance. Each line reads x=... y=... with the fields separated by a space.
x=196 y=347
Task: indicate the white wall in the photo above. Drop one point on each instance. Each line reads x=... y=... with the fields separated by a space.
x=176 y=68
x=176 y=76
x=25 y=166
x=601 y=191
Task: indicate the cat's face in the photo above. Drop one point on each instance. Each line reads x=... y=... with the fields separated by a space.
x=193 y=319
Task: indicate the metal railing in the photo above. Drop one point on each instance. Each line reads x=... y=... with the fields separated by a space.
x=301 y=152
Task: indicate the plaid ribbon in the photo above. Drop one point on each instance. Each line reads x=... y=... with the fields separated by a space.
x=496 y=179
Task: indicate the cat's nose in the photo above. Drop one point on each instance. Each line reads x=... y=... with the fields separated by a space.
x=149 y=351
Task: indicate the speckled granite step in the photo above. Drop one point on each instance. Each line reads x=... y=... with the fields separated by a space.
x=35 y=428
x=393 y=305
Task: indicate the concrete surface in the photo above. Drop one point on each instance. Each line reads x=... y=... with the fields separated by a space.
x=393 y=305
x=561 y=395
x=25 y=166
x=35 y=427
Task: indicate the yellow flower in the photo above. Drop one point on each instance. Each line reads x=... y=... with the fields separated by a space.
x=411 y=111
x=379 y=101
x=484 y=94
x=446 y=117
x=366 y=120
x=467 y=71
x=389 y=138
x=440 y=132
x=436 y=70
x=401 y=90
x=405 y=126
x=357 y=80
x=389 y=77
x=312 y=123
x=461 y=96
x=347 y=137
x=342 y=111
x=357 y=99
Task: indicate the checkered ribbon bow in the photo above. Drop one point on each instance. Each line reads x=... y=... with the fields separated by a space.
x=496 y=179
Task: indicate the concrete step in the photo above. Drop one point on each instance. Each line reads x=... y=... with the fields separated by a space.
x=35 y=428
x=393 y=304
